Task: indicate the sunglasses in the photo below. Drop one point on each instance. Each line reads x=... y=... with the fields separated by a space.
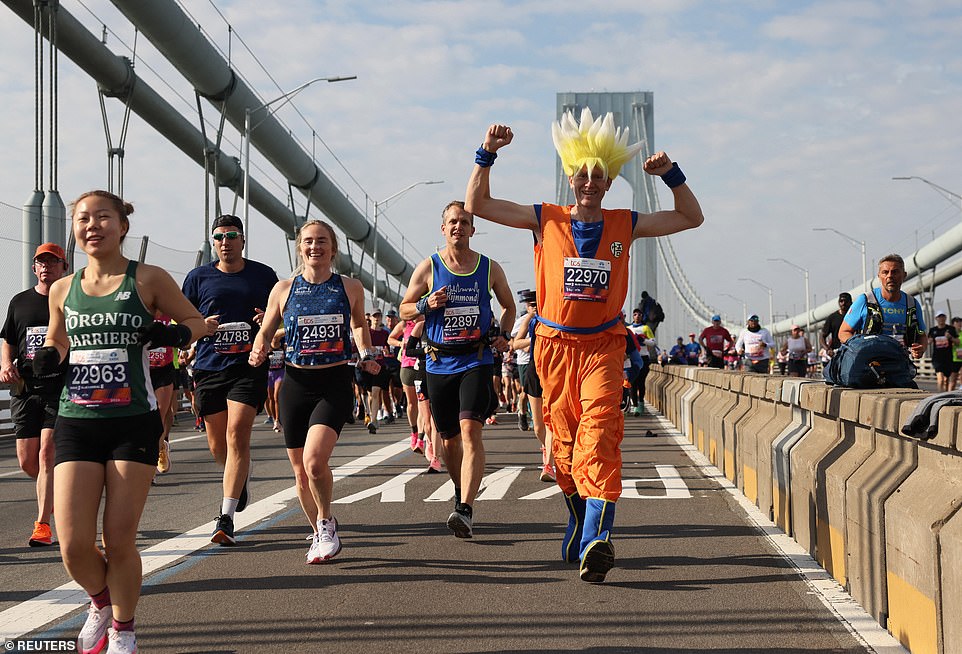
x=220 y=236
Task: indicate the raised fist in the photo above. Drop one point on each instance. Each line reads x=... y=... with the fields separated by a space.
x=497 y=137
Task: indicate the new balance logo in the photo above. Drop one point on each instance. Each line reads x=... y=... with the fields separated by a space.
x=122 y=295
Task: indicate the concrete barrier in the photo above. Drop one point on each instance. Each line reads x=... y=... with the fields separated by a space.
x=881 y=512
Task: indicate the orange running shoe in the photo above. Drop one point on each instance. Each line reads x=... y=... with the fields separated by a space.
x=41 y=536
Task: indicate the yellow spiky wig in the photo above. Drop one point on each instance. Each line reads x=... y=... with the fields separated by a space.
x=593 y=143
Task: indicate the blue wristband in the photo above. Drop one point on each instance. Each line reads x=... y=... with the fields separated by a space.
x=674 y=177
x=484 y=158
x=422 y=306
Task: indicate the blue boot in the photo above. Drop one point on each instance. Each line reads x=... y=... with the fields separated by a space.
x=597 y=551
x=571 y=545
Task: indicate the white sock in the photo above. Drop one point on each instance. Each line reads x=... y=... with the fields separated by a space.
x=227 y=506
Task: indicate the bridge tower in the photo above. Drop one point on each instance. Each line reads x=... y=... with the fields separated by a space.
x=636 y=111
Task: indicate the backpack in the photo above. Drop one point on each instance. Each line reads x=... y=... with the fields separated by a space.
x=870 y=361
x=657 y=314
x=874 y=321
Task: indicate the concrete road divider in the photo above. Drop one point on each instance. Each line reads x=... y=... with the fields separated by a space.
x=880 y=511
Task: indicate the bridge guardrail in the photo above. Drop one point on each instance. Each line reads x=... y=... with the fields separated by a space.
x=880 y=511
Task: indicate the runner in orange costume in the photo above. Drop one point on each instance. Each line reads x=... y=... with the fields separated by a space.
x=581 y=265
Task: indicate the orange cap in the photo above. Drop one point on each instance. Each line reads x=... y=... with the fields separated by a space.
x=50 y=248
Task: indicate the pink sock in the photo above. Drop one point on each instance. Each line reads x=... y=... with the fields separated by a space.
x=101 y=599
x=123 y=626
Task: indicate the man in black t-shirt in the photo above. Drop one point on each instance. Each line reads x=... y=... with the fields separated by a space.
x=33 y=401
x=944 y=340
x=829 y=336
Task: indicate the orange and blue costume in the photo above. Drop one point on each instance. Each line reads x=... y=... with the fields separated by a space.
x=581 y=289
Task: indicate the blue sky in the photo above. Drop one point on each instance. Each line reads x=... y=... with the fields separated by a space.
x=784 y=115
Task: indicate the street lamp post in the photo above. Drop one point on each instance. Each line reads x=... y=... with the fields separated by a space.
x=808 y=297
x=377 y=213
x=744 y=306
x=771 y=301
x=287 y=97
x=855 y=242
x=940 y=189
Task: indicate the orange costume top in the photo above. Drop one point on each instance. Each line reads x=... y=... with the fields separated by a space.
x=581 y=289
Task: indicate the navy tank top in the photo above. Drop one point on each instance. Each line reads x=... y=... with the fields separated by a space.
x=317 y=322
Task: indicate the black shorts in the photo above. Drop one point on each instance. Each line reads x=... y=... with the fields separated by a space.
x=467 y=395
x=944 y=366
x=162 y=376
x=411 y=375
x=530 y=382
x=32 y=412
x=182 y=379
x=132 y=438
x=239 y=382
x=318 y=396
x=798 y=367
x=367 y=381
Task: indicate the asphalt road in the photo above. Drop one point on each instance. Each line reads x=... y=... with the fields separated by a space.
x=693 y=572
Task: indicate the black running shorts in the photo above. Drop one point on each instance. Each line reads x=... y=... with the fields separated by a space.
x=131 y=438
x=32 y=412
x=530 y=382
x=239 y=382
x=314 y=396
x=162 y=376
x=467 y=395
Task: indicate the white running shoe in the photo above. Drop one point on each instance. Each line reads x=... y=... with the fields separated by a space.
x=93 y=635
x=327 y=545
x=122 y=642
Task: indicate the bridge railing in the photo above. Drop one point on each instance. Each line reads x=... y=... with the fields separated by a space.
x=880 y=511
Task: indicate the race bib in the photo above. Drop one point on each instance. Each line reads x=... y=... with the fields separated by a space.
x=586 y=280
x=99 y=378
x=276 y=359
x=233 y=338
x=716 y=353
x=941 y=341
x=323 y=334
x=160 y=356
x=35 y=338
x=461 y=325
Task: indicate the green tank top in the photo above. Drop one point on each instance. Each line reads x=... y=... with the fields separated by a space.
x=108 y=374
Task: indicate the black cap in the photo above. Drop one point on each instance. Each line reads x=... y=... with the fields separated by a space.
x=228 y=220
x=528 y=296
x=753 y=317
x=845 y=296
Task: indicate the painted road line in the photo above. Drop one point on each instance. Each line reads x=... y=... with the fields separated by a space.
x=856 y=620
x=34 y=613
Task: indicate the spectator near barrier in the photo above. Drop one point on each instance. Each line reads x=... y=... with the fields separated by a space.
x=890 y=311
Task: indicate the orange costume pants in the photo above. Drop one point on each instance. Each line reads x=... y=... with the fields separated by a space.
x=581 y=381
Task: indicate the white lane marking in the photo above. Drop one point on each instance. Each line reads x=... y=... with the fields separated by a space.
x=443 y=494
x=675 y=487
x=496 y=484
x=551 y=490
x=856 y=620
x=11 y=474
x=390 y=491
x=34 y=613
x=188 y=438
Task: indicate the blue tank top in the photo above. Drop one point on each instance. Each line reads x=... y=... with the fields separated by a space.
x=317 y=322
x=465 y=318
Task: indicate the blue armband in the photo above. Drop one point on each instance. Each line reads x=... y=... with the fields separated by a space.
x=484 y=158
x=674 y=177
x=422 y=306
